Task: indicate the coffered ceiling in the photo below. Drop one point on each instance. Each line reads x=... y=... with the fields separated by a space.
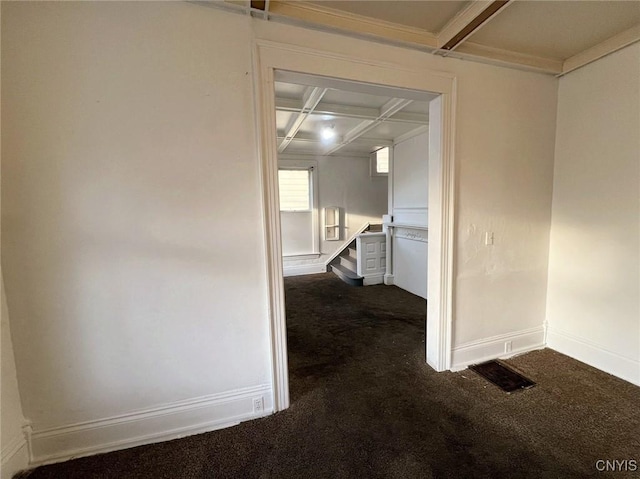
x=330 y=117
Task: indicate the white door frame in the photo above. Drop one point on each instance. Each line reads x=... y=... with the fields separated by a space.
x=271 y=56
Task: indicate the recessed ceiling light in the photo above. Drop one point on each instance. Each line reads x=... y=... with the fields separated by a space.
x=328 y=133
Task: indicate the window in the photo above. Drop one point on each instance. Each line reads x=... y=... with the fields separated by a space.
x=295 y=191
x=380 y=162
x=299 y=223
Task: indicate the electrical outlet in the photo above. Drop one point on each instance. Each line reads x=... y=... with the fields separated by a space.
x=507 y=346
x=258 y=405
x=488 y=238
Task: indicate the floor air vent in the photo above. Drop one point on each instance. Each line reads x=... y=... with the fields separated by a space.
x=502 y=376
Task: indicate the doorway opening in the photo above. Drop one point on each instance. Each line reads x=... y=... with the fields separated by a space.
x=275 y=60
x=353 y=157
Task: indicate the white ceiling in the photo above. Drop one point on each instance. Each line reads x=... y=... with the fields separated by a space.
x=430 y=16
x=364 y=117
x=562 y=29
x=545 y=35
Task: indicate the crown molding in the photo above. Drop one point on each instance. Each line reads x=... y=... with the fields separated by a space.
x=611 y=45
x=508 y=58
x=333 y=18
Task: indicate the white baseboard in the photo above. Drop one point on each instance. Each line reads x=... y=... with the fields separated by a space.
x=594 y=355
x=388 y=279
x=171 y=421
x=302 y=269
x=14 y=456
x=494 y=347
x=373 y=279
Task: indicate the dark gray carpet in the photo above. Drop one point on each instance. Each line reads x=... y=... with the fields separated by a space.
x=365 y=404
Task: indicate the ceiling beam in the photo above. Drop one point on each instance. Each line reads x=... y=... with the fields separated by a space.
x=362 y=141
x=411 y=134
x=498 y=56
x=351 y=86
x=468 y=21
x=347 y=111
x=312 y=97
x=602 y=49
x=387 y=110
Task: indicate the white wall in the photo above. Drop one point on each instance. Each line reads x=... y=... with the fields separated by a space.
x=504 y=146
x=411 y=172
x=131 y=215
x=133 y=248
x=344 y=182
x=593 y=305
x=297 y=232
x=410 y=204
x=504 y=156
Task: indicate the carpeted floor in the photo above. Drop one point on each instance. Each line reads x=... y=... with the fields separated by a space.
x=365 y=405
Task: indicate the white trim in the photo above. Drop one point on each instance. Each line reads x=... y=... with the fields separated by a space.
x=309 y=14
x=301 y=256
x=388 y=218
x=406 y=226
x=320 y=62
x=162 y=423
x=441 y=224
x=311 y=98
x=610 y=45
x=414 y=216
x=411 y=233
x=506 y=58
x=333 y=83
x=487 y=349
x=410 y=134
x=302 y=269
x=372 y=279
x=594 y=355
x=391 y=107
x=464 y=18
x=14 y=455
x=13 y=446
x=356 y=112
x=270 y=56
x=265 y=100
